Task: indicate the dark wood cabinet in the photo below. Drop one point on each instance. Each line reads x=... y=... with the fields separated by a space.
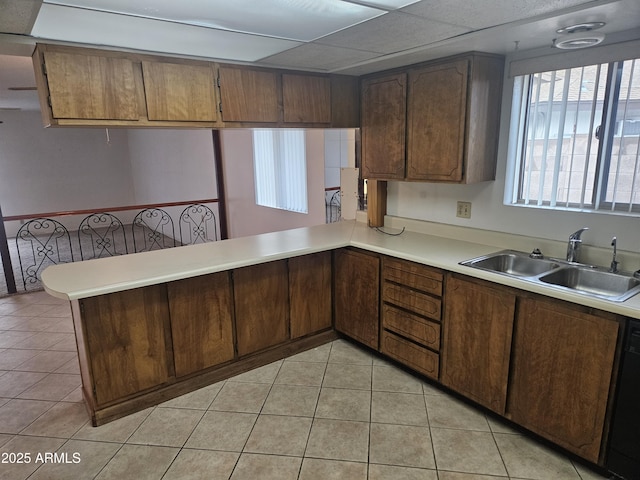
x=248 y=95
x=476 y=341
x=306 y=98
x=261 y=296
x=128 y=342
x=201 y=322
x=562 y=370
x=310 y=284
x=357 y=285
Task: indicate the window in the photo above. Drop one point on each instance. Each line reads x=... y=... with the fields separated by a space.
x=577 y=132
x=280 y=167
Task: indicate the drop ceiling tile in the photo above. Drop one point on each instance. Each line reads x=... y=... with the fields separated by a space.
x=393 y=32
x=318 y=57
x=18 y=17
x=477 y=14
x=99 y=28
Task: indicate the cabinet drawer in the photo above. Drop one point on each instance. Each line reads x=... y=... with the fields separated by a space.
x=412 y=300
x=413 y=356
x=413 y=275
x=411 y=326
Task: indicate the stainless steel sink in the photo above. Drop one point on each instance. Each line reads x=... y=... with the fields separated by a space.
x=594 y=282
x=511 y=262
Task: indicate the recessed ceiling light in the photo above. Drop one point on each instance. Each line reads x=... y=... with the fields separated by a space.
x=579 y=35
x=581 y=27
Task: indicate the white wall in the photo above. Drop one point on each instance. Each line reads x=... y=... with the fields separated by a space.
x=247 y=218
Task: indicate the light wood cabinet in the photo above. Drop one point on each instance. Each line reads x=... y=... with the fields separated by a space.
x=201 y=322
x=248 y=95
x=562 y=372
x=357 y=284
x=180 y=92
x=310 y=285
x=306 y=98
x=128 y=342
x=261 y=296
x=476 y=341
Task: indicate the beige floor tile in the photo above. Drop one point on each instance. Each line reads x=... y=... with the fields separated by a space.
x=241 y=397
x=398 y=408
x=498 y=426
x=199 y=399
x=344 y=404
x=442 y=475
x=252 y=466
x=67 y=344
x=91 y=457
x=339 y=440
x=201 y=465
x=345 y=352
x=72 y=366
x=389 y=472
x=140 y=462
x=61 y=420
x=32 y=310
x=339 y=375
x=75 y=396
x=301 y=373
x=63 y=310
x=447 y=412
x=297 y=400
x=392 y=379
x=5 y=437
x=26 y=447
x=264 y=374
x=467 y=451
x=17 y=414
x=48 y=361
x=429 y=389
x=318 y=469
x=31 y=324
x=12 y=357
x=13 y=384
x=319 y=354
x=117 y=431
x=8 y=322
x=587 y=473
x=54 y=387
x=169 y=427
x=402 y=445
x=11 y=339
x=222 y=431
x=528 y=459
x=279 y=435
x=42 y=340
x=62 y=325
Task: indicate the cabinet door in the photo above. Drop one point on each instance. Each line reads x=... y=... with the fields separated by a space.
x=310 y=293
x=384 y=105
x=129 y=341
x=248 y=95
x=476 y=343
x=306 y=98
x=91 y=87
x=261 y=295
x=201 y=322
x=562 y=366
x=357 y=286
x=436 y=121
x=179 y=92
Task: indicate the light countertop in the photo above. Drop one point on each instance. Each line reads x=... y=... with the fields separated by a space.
x=90 y=278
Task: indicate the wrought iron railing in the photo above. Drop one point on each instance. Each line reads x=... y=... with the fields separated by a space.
x=332 y=202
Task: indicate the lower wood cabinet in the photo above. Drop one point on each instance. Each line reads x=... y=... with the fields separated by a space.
x=562 y=372
x=476 y=343
x=261 y=297
x=357 y=286
x=201 y=322
x=310 y=282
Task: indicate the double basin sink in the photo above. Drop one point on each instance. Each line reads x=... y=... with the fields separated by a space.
x=575 y=277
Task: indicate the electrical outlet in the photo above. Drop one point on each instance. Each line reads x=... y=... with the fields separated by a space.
x=464 y=210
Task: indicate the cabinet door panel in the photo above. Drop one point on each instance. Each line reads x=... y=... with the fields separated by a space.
x=310 y=293
x=179 y=92
x=562 y=367
x=436 y=121
x=248 y=95
x=476 y=345
x=384 y=106
x=91 y=87
x=128 y=338
x=261 y=295
x=201 y=322
x=306 y=98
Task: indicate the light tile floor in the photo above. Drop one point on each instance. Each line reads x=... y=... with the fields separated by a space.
x=334 y=412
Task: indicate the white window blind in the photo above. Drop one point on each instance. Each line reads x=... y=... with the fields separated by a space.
x=280 y=168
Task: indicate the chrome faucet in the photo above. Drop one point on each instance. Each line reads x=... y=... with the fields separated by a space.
x=574 y=245
x=614 y=263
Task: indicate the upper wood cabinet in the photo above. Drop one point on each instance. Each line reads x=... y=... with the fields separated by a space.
x=383 y=123
x=452 y=117
x=248 y=95
x=306 y=98
x=561 y=377
x=179 y=92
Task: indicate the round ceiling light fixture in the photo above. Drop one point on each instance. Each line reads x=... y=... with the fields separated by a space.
x=580 y=35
